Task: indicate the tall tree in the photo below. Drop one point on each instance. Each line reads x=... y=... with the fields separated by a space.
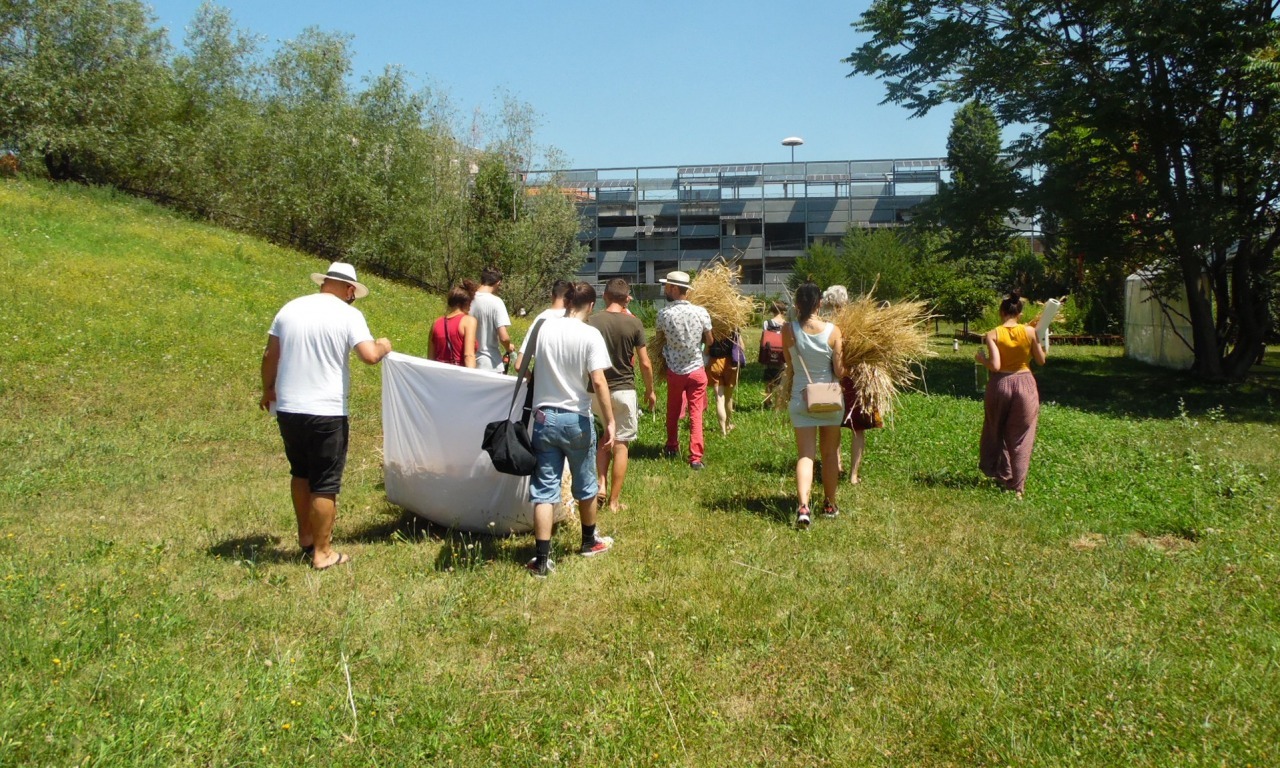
x=978 y=200
x=1179 y=88
x=881 y=258
x=84 y=86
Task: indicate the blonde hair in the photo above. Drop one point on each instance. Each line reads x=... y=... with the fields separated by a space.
x=835 y=297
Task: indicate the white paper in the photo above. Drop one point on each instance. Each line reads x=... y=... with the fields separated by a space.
x=1051 y=308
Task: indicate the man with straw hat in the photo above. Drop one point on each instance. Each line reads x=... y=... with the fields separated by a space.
x=687 y=327
x=305 y=382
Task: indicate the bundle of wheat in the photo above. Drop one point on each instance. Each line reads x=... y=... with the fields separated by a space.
x=716 y=289
x=656 y=342
x=782 y=396
x=882 y=342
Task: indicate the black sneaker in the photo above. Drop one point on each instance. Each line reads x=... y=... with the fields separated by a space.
x=802 y=517
x=539 y=571
x=696 y=465
x=671 y=453
x=829 y=509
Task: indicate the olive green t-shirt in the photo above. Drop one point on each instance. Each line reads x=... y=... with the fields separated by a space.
x=622 y=333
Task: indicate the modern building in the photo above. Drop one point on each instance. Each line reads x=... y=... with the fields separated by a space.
x=640 y=223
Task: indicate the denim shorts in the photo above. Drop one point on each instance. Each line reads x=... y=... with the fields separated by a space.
x=559 y=435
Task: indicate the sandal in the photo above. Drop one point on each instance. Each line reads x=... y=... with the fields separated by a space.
x=342 y=559
x=802 y=517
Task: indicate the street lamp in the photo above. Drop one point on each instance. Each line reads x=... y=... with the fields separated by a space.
x=793 y=142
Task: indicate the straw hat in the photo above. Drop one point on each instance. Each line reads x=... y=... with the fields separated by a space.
x=344 y=272
x=677 y=278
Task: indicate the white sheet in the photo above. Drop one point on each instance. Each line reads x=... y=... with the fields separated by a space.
x=433 y=418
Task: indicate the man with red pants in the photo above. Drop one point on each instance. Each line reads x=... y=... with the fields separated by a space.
x=687 y=328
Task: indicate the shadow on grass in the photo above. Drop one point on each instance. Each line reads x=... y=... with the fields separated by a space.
x=458 y=549
x=946 y=478
x=638 y=450
x=256 y=549
x=1120 y=387
x=775 y=508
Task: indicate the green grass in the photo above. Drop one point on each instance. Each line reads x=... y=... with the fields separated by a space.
x=155 y=611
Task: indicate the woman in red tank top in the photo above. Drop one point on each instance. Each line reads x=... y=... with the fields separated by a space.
x=453 y=337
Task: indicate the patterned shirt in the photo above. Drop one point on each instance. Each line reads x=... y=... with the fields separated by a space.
x=683 y=324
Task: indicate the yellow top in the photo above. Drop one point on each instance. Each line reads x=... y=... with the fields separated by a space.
x=1015 y=348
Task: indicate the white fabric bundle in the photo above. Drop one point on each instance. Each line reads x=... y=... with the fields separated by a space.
x=433 y=418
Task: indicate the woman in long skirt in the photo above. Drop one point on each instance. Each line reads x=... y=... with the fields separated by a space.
x=1012 y=404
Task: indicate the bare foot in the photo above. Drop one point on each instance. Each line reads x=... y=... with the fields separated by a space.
x=619 y=507
x=854 y=480
x=339 y=558
x=732 y=427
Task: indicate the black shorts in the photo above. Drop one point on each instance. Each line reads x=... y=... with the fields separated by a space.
x=316 y=447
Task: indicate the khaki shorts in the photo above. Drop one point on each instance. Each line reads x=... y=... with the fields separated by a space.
x=625 y=413
x=721 y=371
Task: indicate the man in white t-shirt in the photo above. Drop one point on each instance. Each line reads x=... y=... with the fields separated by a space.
x=492 y=323
x=571 y=356
x=558 y=289
x=305 y=383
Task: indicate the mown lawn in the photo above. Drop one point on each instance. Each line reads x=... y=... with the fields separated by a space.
x=156 y=612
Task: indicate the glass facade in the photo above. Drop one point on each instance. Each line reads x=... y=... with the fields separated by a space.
x=640 y=223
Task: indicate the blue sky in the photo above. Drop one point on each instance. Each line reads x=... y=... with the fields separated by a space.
x=621 y=84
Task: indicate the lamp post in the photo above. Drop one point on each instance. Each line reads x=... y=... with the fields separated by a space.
x=793 y=142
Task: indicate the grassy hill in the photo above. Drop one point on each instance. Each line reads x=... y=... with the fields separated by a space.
x=155 y=611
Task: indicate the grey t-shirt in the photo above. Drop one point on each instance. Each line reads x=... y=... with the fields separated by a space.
x=490 y=314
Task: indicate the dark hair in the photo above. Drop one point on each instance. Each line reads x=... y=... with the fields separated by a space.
x=1012 y=305
x=461 y=295
x=559 y=288
x=779 y=307
x=808 y=297
x=617 y=289
x=580 y=295
x=490 y=276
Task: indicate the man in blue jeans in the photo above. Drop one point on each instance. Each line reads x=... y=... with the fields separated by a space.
x=569 y=355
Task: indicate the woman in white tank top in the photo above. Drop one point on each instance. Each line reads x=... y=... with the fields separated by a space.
x=818 y=345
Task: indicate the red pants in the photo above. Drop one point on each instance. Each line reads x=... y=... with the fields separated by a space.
x=691 y=386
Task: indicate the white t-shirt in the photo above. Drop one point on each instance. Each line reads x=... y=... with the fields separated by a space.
x=546 y=314
x=490 y=314
x=316 y=333
x=568 y=351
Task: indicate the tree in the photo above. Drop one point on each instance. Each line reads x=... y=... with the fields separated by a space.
x=980 y=196
x=882 y=258
x=84 y=85
x=1178 y=88
x=820 y=263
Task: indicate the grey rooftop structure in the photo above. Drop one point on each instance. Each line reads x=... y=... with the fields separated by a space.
x=642 y=222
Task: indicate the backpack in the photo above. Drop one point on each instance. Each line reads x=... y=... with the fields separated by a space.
x=721 y=348
x=771 y=349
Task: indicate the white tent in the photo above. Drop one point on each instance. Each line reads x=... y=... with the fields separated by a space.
x=1153 y=334
x=433 y=418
